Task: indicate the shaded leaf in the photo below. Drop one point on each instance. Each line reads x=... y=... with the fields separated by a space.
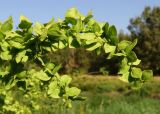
x=132 y=57
x=147 y=74
x=24 y=23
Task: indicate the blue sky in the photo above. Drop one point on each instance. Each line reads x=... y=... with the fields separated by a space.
x=117 y=12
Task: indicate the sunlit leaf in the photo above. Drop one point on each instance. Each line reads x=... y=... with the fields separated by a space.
x=54 y=90
x=136 y=72
x=65 y=80
x=41 y=75
x=7 y=25
x=73 y=91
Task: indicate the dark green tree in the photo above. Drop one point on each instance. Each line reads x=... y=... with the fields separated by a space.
x=146 y=28
x=123 y=36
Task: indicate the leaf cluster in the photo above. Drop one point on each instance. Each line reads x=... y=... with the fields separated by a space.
x=29 y=42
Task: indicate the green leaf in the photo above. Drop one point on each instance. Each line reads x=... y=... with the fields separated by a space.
x=1 y=36
x=5 y=46
x=125 y=77
x=41 y=31
x=16 y=44
x=124 y=67
x=88 y=17
x=54 y=47
x=40 y=59
x=6 y=55
x=68 y=103
x=147 y=74
x=73 y=43
x=136 y=84
x=54 y=90
x=22 y=74
x=65 y=80
x=109 y=48
x=24 y=59
x=98 y=51
x=136 y=72
x=37 y=28
x=93 y=47
x=105 y=29
x=79 y=98
x=79 y=26
x=96 y=27
x=50 y=23
x=10 y=35
x=131 y=46
x=90 y=24
x=24 y=23
x=20 y=56
x=47 y=48
x=114 y=40
x=120 y=54
x=50 y=66
x=54 y=30
x=43 y=34
x=137 y=62
x=56 y=69
x=72 y=15
x=5 y=70
x=131 y=56
x=112 y=31
x=61 y=45
x=87 y=36
x=73 y=91
x=88 y=42
x=41 y=75
x=7 y=25
x=123 y=44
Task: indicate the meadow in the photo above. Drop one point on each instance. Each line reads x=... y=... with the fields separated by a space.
x=108 y=95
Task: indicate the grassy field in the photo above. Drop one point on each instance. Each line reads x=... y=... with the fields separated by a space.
x=108 y=95
x=104 y=95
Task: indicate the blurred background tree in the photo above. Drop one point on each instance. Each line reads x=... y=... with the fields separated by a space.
x=146 y=28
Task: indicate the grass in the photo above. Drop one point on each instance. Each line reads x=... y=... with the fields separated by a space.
x=108 y=95
x=132 y=104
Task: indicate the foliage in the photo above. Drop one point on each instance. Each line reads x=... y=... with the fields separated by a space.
x=29 y=42
x=146 y=28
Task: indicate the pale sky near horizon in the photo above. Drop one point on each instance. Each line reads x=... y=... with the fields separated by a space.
x=117 y=12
